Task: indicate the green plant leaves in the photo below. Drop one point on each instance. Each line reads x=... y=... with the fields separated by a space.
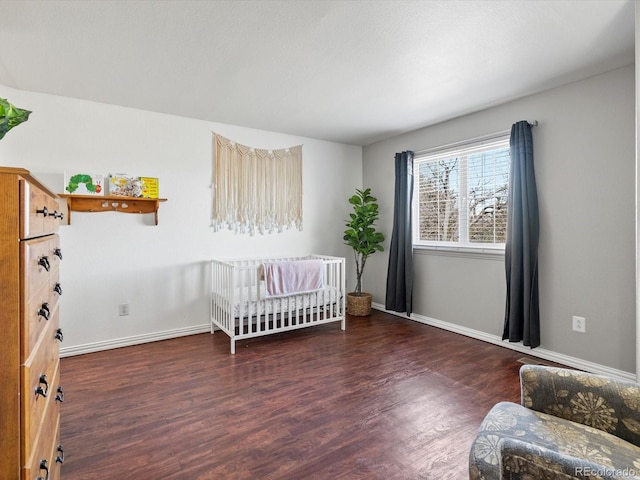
x=361 y=234
x=11 y=116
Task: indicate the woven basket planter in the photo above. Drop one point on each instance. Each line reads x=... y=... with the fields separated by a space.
x=359 y=305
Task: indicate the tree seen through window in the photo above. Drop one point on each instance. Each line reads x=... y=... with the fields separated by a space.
x=462 y=198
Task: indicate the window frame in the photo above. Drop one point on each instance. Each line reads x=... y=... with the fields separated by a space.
x=490 y=142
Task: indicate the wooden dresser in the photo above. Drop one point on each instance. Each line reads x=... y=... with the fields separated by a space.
x=30 y=394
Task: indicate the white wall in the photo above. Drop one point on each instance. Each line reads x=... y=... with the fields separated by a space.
x=584 y=153
x=161 y=271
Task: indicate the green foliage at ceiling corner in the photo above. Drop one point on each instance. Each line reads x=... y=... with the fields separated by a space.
x=11 y=116
x=76 y=180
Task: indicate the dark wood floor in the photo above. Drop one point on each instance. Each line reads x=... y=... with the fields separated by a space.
x=386 y=399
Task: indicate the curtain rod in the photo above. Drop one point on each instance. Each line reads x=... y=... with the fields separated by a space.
x=491 y=136
x=469 y=141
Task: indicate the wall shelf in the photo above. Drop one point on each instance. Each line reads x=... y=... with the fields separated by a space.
x=111 y=203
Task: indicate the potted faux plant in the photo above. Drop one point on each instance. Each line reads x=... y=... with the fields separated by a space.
x=362 y=237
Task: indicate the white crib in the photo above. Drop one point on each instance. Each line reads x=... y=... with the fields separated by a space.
x=241 y=308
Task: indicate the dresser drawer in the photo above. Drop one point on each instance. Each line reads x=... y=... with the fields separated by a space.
x=38 y=211
x=47 y=454
x=41 y=258
x=40 y=313
x=40 y=391
x=38 y=263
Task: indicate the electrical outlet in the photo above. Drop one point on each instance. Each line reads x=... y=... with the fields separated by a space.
x=579 y=324
x=123 y=309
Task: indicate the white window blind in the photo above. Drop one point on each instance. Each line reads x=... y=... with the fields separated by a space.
x=460 y=194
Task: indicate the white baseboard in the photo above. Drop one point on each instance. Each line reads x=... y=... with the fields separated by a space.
x=535 y=352
x=468 y=332
x=134 y=340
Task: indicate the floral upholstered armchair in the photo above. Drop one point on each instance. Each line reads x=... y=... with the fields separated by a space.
x=570 y=425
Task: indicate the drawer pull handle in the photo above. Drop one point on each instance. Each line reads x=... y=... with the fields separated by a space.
x=58 y=289
x=59 y=336
x=44 y=262
x=44 y=211
x=60 y=458
x=44 y=311
x=58 y=253
x=60 y=395
x=58 y=215
x=43 y=391
x=43 y=466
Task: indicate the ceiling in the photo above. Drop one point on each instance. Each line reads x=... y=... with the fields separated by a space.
x=348 y=71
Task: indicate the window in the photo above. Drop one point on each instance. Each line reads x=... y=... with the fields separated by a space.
x=460 y=195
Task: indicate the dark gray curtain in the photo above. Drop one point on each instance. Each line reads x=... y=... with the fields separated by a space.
x=400 y=272
x=522 y=312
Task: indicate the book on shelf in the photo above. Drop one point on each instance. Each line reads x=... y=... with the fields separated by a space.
x=84 y=184
x=130 y=186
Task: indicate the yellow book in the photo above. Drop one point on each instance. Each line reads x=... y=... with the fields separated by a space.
x=150 y=188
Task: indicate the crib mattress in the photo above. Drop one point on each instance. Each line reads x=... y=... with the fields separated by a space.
x=244 y=306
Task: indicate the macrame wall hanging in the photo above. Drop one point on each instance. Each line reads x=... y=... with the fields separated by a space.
x=255 y=190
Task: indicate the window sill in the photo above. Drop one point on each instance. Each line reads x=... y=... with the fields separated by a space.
x=465 y=252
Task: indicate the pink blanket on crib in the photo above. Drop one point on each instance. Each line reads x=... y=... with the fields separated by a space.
x=289 y=277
